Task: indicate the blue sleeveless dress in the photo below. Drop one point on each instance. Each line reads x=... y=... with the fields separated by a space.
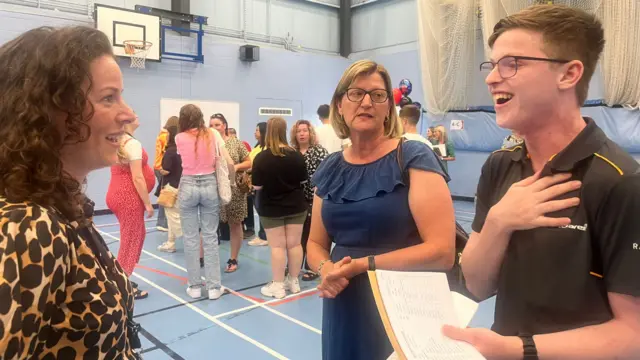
x=365 y=212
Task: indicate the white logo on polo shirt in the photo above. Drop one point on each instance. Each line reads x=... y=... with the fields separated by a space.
x=575 y=227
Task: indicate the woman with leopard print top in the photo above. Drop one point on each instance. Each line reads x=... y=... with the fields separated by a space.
x=303 y=139
x=62 y=293
x=235 y=211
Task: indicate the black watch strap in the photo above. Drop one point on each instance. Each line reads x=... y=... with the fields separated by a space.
x=372 y=263
x=530 y=352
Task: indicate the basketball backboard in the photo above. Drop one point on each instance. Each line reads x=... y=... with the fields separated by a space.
x=180 y=23
x=121 y=25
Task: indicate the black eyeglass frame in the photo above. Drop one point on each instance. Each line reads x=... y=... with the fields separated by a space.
x=516 y=58
x=368 y=93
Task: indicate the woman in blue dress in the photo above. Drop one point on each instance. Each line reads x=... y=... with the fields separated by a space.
x=364 y=206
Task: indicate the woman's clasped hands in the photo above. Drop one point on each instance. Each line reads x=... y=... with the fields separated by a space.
x=335 y=277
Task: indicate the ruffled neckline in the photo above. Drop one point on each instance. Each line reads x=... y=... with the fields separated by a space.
x=340 y=181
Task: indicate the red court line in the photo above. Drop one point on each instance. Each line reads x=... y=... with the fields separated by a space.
x=184 y=280
x=294 y=298
x=245 y=296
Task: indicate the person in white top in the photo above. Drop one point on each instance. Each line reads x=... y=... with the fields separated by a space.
x=410 y=116
x=326 y=135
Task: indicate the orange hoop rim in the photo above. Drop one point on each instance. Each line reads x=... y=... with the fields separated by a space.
x=134 y=46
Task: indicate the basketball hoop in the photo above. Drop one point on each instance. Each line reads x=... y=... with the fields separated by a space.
x=138 y=50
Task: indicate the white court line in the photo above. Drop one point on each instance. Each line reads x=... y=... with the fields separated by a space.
x=148 y=253
x=255 y=303
x=293 y=320
x=213 y=319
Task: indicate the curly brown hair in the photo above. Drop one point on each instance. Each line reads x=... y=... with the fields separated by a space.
x=45 y=76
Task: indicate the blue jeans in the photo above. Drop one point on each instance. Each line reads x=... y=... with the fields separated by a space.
x=162 y=217
x=200 y=209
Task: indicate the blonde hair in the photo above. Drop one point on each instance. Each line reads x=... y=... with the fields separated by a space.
x=122 y=155
x=392 y=125
x=443 y=131
x=276 y=135
x=294 y=131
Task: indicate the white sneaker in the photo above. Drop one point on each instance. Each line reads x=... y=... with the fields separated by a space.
x=163 y=229
x=194 y=291
x=167 y=248
x=258 y=242
x=292 y=284
x=214 y=294
x=274 y=289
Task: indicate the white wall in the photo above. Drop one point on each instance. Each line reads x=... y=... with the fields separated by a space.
x=314 y=27
x=387 y=31
x=162 y=4
x=384 y=24
x=300 y=81
x=130 y=4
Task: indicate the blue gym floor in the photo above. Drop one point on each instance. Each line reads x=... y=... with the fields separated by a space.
x=240 y=325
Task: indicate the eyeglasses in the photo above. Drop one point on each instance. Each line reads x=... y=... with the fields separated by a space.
x=377 y=95
x=508 y=65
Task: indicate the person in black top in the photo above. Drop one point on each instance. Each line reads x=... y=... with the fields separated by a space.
x=556 y=228
x=172 y=163
x=278 y=175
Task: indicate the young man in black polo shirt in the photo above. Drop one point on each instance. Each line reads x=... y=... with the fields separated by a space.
x=556 y=227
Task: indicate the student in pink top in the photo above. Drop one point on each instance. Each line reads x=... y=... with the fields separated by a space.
x=198 y=200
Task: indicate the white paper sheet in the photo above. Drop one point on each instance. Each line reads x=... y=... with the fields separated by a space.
x=465 y=309
x=418 y=305
x=442 y=148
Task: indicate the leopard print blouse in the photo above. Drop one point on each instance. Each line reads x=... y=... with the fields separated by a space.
x=56 y=300
x=312 y=159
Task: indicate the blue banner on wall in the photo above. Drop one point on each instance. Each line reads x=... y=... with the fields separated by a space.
x=480 y=132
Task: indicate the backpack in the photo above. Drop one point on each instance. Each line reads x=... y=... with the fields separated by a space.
x=455 y=276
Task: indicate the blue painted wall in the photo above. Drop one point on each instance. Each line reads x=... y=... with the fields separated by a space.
x=481 y=135
x=384 y=31
x=301 y=81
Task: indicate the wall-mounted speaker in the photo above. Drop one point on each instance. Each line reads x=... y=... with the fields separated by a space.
x=249 y=53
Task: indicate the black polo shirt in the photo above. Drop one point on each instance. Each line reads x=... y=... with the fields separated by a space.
x=557 y=279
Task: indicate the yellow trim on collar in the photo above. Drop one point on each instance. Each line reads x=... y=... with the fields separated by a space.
x=610 y=163
x=511 y=149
